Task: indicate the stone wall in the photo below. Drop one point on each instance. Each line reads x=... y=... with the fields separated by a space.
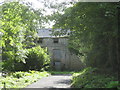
x=67 y=60
x=76 y=63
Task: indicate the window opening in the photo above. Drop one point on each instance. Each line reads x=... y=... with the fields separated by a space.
x=55 y=40
x=40 y=40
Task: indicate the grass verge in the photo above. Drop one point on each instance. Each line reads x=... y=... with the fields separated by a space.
x=21 y=79
x=88 y=78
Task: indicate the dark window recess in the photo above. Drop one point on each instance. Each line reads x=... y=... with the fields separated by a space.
x=42 y=47
x=55 y=40
x=40 y=40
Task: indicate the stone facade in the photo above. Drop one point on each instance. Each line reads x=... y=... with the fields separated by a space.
x=61 y=57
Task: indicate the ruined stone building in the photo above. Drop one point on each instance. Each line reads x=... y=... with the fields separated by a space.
x=61 y=57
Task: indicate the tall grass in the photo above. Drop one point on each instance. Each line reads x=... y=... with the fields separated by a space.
x=21 y=79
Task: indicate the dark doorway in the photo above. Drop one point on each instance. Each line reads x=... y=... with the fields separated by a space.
x=57 y=59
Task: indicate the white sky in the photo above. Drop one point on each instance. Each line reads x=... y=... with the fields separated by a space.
x=37 y=4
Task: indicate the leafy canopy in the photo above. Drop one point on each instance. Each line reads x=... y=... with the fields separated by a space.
x=93 y=32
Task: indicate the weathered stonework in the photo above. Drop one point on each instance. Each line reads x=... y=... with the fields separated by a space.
x=61 y=57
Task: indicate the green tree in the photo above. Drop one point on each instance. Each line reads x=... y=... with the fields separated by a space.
x=93 y=32
x=19 y=23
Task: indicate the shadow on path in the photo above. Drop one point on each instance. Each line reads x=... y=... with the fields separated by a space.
x=51 y=82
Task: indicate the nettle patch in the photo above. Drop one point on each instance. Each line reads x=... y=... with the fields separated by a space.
x=16 y=80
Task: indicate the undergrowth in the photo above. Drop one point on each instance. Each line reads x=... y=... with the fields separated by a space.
x=21 y=79
x=89 y=78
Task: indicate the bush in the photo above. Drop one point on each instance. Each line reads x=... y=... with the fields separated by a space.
x=88 y=78
x=37 y=58
x=13 y=61
x=113 y=84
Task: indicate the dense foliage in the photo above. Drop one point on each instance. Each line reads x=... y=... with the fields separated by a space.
x=19 y=24
x=93 y=33
x=13 y=30
x=37 y=59
x=89 y=78
x=21 y=79
x=22 y=21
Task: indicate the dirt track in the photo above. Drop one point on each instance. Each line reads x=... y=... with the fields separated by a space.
x=53 y=81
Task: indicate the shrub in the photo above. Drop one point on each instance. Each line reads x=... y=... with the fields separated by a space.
x=37 y=57
x=113 y=84
x=13 y=61
x=88 y=78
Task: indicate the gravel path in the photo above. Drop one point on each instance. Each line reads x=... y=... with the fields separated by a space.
x=53 y=81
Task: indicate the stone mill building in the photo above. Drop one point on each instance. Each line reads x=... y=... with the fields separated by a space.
x=61 y=57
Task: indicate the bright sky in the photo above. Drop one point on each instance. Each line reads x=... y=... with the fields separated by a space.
x=37 y=4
